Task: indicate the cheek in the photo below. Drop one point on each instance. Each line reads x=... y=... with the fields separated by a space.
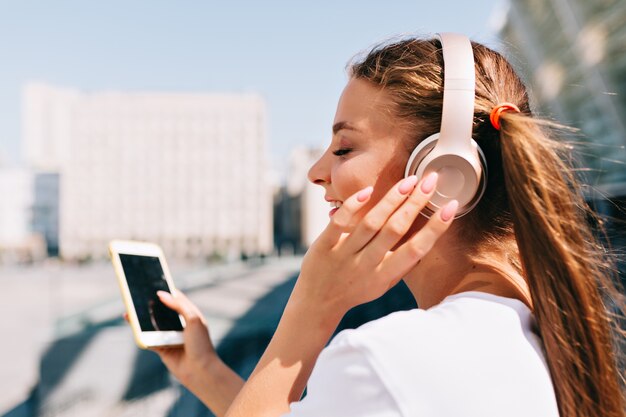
x=350 y=177
x=387 y=178
x=354 y=174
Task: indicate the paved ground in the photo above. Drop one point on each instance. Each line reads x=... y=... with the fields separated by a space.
x=50 y=303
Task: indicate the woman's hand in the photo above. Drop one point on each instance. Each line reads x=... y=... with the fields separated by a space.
x=346 y=266
x=197 y=351
x=352 y=261
x=196 y=364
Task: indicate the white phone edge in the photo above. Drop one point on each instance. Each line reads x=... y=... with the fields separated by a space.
x=152 y=339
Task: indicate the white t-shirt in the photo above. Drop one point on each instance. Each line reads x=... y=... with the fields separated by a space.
x=473 y=355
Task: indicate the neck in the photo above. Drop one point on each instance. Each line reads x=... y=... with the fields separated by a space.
x=438 y=276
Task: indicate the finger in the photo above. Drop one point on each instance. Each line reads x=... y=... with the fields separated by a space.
x=342 y=217
x=169 y=355
x=182 y=305
x=401 y=261
x=375 y=219
x=400 y=221
x=165 y=350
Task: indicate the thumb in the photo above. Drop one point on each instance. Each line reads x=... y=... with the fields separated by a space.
x=180 y=304
x=168 y=299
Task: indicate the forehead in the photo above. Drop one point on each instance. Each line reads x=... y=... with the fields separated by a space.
x=370 y=111
x=364 y=105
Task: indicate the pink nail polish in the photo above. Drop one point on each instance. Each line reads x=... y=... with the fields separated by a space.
x=164 y=295
x=364 y=194
x=407 y=184
x=449 y=210
x=429 y=182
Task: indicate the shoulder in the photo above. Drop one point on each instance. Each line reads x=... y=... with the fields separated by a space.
x=351 y=376
x=455 y=317
x=392 y=326
x=415 y=361
x=345 y=381
x=402 y=344
x=384 y=360
x=458 y=332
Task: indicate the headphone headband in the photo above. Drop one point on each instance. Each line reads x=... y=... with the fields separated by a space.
x=457 y=114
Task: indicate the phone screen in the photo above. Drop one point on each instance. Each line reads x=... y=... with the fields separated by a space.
x=145 y=277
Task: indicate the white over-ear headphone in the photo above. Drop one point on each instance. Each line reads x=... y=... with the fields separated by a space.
x=452 y=152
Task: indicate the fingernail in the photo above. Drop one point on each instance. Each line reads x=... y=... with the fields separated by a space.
x=164 y=295
x=364 y=194
x=449 y=210
x=407 y=184
x=429 y=182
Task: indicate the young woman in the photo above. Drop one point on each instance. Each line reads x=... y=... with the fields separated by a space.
x=513 y=318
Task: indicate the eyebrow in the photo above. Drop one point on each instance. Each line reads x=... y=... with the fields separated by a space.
x=343 y=125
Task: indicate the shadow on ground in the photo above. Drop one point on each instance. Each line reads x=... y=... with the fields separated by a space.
x=240 y=348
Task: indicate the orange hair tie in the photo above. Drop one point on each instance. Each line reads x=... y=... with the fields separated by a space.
x=497 y=111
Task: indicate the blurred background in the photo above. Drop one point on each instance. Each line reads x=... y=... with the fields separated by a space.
x=193 y=125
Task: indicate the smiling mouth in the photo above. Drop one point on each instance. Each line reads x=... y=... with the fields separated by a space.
x=335 y=205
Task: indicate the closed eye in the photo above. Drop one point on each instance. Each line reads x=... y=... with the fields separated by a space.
x=342 y=151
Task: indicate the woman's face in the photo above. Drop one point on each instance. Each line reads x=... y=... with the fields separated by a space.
x=368 y=146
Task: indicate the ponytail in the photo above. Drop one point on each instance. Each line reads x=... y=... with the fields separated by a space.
x=566 y=268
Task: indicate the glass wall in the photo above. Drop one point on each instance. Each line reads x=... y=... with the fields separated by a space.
x=572 y=55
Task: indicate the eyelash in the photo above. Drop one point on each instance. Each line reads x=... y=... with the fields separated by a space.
x=342 y=151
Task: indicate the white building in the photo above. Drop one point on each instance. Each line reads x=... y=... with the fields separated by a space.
x=187 y=171
x=17 y=197
x=314 y=208
x=17 y=242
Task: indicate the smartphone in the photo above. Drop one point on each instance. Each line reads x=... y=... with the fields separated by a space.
x=142 y=271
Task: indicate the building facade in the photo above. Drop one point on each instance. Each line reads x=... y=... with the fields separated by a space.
x=573 y=55
x=300 y=210
x=45 y=209
x=187 y=171
x=18 y=243
x=15 y=205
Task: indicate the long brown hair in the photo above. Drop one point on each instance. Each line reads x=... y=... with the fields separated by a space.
x=533 y=202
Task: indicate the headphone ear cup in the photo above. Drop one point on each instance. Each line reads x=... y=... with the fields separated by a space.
x=418 y=164
x=418 y=155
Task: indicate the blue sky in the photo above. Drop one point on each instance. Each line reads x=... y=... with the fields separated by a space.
x=293 y=53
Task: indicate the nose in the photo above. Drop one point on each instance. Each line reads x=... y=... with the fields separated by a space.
x=319 y=173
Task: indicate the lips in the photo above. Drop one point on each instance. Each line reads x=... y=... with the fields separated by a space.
x=335 y=205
